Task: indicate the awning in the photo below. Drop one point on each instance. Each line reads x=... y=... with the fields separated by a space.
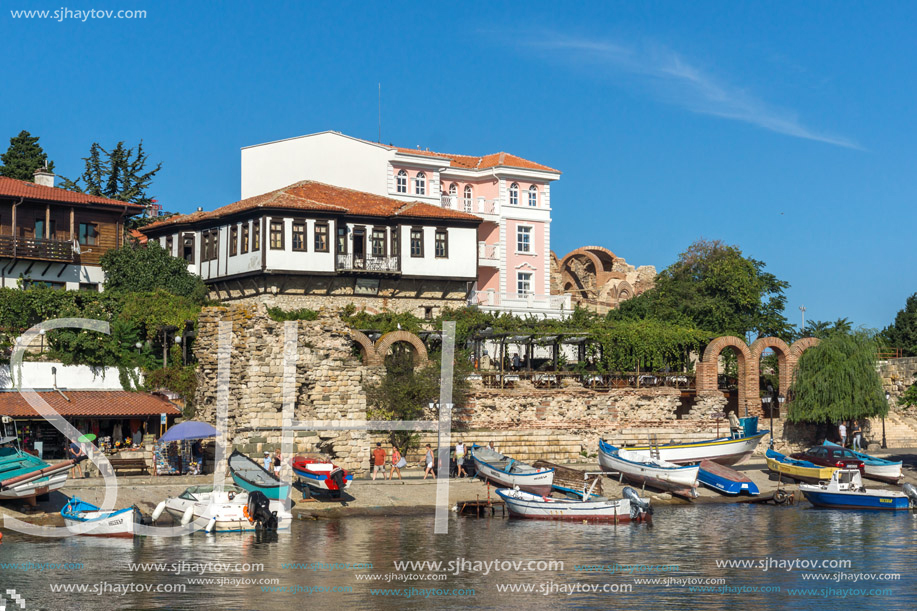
x=89 y=404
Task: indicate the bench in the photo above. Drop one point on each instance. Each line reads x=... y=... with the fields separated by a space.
x=129 y=464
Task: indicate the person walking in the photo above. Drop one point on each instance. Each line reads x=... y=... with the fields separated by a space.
x=842 y=431
x=857 y=436
x=397 y=463
x=428 y=459
x=378 y=461
x=277 y=462
x=460 y=459
x=77 y=454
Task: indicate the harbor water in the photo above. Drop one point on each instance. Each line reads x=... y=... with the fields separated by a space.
x=710 y=556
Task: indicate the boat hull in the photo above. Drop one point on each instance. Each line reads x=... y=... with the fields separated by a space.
x=855 y=500
x=35 y=488
x=877 y=468
x=531 y=507
x=102 y=524
x=725 y=480
x=536 y=483
x=803 y=474
x=724 y=450
x=318 y=479
x=680 y=480
x=249 y=475
x=275 y=493
x=229 y=513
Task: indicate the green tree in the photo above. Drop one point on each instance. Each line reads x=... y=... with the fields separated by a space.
x=134 y=268
x=119 y=174
x=903 y=332
x=837 y=380
x=712 y=286
x=23 y=157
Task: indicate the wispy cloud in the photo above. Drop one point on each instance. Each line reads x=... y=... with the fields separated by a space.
x=673 y=79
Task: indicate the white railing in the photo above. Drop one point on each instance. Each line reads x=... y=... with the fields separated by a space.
x=449 y=201
x=488 y=252
x=494 y=299
x=480 y=205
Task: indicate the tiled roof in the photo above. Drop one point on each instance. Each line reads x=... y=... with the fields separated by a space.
x=320 y=197
x=480 y=163
x=89 y=403
x=10 y=187
x=138 y=236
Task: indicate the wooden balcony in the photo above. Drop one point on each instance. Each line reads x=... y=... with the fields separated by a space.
x=36 y=248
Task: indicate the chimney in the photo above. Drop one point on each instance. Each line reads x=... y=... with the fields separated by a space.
x=44 y=177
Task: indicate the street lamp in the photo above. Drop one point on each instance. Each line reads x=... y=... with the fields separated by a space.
x=766 y=402
x=780 y=400
x=888 y=397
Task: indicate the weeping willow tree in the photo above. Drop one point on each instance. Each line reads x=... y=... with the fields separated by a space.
x=837 y=380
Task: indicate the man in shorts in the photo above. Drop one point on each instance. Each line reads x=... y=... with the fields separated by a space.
x=378 y=461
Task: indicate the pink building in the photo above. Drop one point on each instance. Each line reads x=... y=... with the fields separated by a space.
x=510 y=194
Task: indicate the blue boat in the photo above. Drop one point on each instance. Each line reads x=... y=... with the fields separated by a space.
x=725 y=480
x=875 y=468
x=846 y=491
x=86 y=519
x=23 y=476
x=251 y=476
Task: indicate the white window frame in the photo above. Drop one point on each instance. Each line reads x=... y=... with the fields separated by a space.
x=401 y=182
x=524 y=283
x=469 y=198
x=514 y=194
x=533 y=196
x=529 y=231
x=420 y=184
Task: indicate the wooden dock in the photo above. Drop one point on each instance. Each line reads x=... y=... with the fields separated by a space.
x=480 y=508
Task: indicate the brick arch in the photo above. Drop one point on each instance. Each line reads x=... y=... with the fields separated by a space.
x=708 y=369
x=801 y=345
x=623 y=287
x=786 y=363
x=385 y=342
x=366 y=347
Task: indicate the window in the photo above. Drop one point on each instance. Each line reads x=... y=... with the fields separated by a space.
x=401 y=182
x=276 y=235
x=514 y=194
x=468 y=198
x=299 y=235
x=92 y=287
x=89 y=233
x=524 y=283
x=321 y=237
x=420 y=184
x=39 y=228
x=533 y=195
x=188 y=247
x=233 y=240
x=441 y=244
x=243 y=247
x=453 y=195
x=428 y=312
x=377 y=241
x=342 y=241
x=210 y=244
x=256 y=235
x=396 y=241
x=416 y=241
x=169 y=244
x=523 y=239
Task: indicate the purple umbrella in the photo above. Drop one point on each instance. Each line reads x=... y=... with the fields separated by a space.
x=191 y=429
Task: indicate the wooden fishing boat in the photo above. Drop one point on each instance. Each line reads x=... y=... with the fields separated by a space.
x=322 y=474
x=730 y=450
x=845 y=490
x=251 y=476
x=725 y=480
x=507 y=472
x=800 y=470
x=876 y=468
x=83 y=518
x=23 y=476
x=641 y=468
x=523 y=504
x=225 y=508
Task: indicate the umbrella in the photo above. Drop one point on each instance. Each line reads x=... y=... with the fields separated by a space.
x=191 y=429
x=86 y=438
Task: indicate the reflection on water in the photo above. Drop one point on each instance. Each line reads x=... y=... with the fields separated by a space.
x=694 y=538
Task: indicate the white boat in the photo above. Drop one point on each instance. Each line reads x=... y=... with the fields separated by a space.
x=225 y=508
x=876 y=468
x=509 y=473
x=22 y=475
x=532 y=506
x=731 y=450
x=845 y=490
x=641 y=468
x=83 y=518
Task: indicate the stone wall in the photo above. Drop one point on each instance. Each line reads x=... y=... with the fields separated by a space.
x=898 y=374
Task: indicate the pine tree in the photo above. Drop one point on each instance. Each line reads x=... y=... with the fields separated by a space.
x=23 y=157
x=116 y=174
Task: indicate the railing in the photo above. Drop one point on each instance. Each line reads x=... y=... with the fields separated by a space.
x=367 y=264
x=889 y=353
x=519 y=300
x=488 y=252
x=598 y=381
x=36 y=248
x=474 y=206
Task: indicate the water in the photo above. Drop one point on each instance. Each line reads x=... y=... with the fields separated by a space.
x=693 y=538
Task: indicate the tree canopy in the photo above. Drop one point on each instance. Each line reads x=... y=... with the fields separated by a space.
x=117 y=174
x=23 y=157
x=713 y=287
x=837 y=380
x=903 y=332
x=136 y=268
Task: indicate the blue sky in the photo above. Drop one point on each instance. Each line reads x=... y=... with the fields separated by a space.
x=786 y=129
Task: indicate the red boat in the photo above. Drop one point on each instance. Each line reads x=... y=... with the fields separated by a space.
x=322 y=474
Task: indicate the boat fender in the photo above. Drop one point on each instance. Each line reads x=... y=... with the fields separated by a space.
x=187 y=516
x=780 y=497
x=911 y=493
x=158 y=511
x=210 y=525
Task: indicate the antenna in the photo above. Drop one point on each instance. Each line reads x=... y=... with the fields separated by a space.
x=380 y=113
x=802 y=309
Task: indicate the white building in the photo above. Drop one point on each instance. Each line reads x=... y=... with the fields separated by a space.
x=511 y=196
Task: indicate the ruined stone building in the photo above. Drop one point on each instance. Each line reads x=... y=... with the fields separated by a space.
x=597 y=279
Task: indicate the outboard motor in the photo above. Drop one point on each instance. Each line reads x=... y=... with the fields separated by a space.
x=337 y=476
x=911 y=493
x=638 y=506
x=259 y=508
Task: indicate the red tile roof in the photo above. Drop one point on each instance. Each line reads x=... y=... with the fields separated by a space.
x=138 y=236
x=10 y=187
x=481 y=163
x=89 y=403
x=320 y=197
